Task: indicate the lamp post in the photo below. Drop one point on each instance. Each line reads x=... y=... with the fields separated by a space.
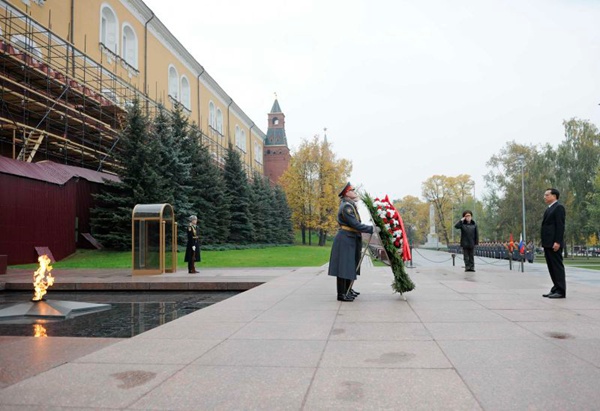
x=522 y=161
x=452 y=222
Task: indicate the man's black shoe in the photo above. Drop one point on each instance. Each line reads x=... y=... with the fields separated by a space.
x=556 y=295
x=354 y=293
x=342 y=297
x=547 y=295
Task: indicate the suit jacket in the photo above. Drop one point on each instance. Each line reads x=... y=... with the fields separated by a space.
x=469 y=234
x=553 y=226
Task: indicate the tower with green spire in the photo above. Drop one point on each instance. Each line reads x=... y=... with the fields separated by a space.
x=276 y=152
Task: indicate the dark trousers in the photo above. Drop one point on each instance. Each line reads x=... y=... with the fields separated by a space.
x=469 y=255
x=343 y=286
x=556 y=268
x=191 y=265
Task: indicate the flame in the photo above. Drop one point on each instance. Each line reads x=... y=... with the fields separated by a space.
x=39 y=330
x=42 y=279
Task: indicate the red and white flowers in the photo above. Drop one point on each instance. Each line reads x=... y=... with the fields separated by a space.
x=393 y=224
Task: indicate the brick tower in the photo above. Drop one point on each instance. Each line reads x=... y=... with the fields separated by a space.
x=276 y=152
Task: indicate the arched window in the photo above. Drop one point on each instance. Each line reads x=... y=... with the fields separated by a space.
x=173 y=83
x=129 y=46
x=109 y=29
x=186 y=98
x=212 y=119
x=219 y=121
x=243 y=140
x=275 y=121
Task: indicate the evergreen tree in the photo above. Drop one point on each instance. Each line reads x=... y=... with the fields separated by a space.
x=140 y=183
x=209 y=197
x=171 y=129
x=260 y=195
x=237 y=189
x=283 y=213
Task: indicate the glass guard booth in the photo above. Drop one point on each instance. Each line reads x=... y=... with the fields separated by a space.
x=154 y=239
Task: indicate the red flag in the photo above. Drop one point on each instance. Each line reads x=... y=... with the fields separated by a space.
x=511 y=244
x=405 y=246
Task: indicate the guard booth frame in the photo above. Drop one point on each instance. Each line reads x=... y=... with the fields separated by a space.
x=153 y=235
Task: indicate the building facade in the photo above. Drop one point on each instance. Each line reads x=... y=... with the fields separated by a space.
x=69 y=68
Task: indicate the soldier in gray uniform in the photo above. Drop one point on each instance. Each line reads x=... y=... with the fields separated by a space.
x=347 y=244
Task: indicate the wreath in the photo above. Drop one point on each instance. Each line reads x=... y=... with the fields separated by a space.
x=386 y=217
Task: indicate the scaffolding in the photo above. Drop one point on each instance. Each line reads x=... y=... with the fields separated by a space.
x=56 y=103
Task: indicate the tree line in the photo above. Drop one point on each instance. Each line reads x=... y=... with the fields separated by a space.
x=165 y=160
x=573 y=167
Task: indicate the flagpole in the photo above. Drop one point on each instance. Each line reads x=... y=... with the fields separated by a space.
x=523 y=198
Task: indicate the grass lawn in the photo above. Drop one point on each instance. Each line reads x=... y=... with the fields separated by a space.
x=591 y=263
x=293 y=256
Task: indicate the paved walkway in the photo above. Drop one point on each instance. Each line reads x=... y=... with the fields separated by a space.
x=484 y=340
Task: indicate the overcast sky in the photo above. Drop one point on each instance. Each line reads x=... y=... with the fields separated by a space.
x=406 y=88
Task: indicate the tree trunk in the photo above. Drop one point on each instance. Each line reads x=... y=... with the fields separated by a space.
x=303 y=229
x=309 y=236
x=322 y=238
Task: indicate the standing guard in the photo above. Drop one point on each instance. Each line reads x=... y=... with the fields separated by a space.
x=347 y=245
x=192 y=251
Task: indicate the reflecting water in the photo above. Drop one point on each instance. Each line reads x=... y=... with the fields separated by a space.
x=131 y=314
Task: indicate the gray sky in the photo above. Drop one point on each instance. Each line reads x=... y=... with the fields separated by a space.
x=406 y=88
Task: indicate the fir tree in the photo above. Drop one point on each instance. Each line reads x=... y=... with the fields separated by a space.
x=171 y=129
x=260 y=195
x=237 y=189
x=209 y=197
x=284 y=227
x=140 y=183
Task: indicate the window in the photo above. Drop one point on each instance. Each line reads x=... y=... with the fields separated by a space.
x=186 y=93
x=129 y=46
x=219 y=125
x=109 y=29
x=258 y=154
x=243 y=138
x=275 y=121
x=173 y=83
x=26 y=44
x=212 y=119
x=238 y=138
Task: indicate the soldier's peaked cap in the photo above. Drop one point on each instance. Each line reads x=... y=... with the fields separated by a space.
x=346 y=188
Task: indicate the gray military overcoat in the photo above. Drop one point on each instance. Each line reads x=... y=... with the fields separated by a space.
x=347 y=244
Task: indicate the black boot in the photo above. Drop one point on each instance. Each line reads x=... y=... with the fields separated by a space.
x=344 y=297
x=354 y=293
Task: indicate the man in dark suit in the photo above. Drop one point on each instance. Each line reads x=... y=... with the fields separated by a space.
x=553 y=232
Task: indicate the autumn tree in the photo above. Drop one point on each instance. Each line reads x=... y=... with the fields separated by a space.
x=311 y=183
x=332 y=174
x=515 y=169
x=449 y=196
x=437 y=191
x=577 y=161
x=415 y=215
